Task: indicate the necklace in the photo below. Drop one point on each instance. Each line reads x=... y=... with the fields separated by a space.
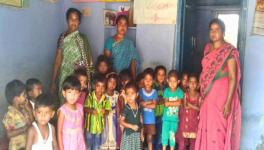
x=134 y=113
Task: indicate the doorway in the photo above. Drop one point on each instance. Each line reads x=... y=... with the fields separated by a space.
x=196 y=16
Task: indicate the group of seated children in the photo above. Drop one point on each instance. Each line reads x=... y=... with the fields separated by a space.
x=154 y=110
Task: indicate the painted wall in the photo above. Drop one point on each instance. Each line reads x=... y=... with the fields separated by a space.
x=27 y=44
x=253 y=87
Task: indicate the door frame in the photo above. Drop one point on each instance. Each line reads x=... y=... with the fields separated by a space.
x=179 y=31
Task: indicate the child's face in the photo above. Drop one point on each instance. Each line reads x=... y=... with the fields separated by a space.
x=124 y=82
x=160 y=76
x=102 y=67
x=71 y=95
x=111 y=84
x=193 y=83
x=83 y=81
x=35 y=92
x=43 y=115
x=184 y=81
x=173 y=82
x=148 y=81
x=131 y=95
x=21 y=99
x=99 y=88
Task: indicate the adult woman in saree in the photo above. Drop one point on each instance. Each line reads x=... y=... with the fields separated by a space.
x=121 y=49
x=73 y=52
x=220 y=113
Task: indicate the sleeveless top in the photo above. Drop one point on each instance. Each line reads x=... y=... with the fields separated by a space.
x=43 y=144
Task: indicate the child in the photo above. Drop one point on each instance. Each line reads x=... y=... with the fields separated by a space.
x=34 y=89
x=41 y=135
x=70 y=117
x=103 y=65
x=131 y=120
x=159 y=85
x=125 y=76
x=173 y=96
x=81 y=74
x=110 y=130
x=189 y=116
x=16 y=121
x=149 y=97
x=96 y=106
x=140 y=80
x=184 y=81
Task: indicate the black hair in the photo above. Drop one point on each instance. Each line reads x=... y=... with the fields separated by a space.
x=193 y=75
x=131 y=84
x=218 y=22
x=158 y=68
x=73 y=10
x=30 y=84
x=125 y=75
x=71 y=82
x=122 y=17
x=173 y=73
x=103 y=58
x=99 y=78
x=14 y=88
x=139 y=77
x=184 y=73
x=112 y=75
x=148 y=71
x=80 y=72
x=44 y=100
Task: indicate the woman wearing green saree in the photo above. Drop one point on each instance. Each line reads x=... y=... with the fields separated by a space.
x=73 y=52
x=121 y=49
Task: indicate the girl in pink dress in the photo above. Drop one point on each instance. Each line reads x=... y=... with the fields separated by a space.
x=70 y=117
x=189 y=115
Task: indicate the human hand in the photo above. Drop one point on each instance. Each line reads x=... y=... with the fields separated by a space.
x=226 y=110
x=134 y=127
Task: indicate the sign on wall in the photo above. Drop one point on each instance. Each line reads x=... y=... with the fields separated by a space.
x=155 y=11
x=258 y=25
x=15 y=3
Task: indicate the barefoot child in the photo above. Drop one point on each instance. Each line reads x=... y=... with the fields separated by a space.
x=190 y=115
x=173 y=96
x=110 y=127
x=42 y=135
x=70 y=117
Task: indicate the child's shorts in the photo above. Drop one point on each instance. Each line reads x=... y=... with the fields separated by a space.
x=149 y=129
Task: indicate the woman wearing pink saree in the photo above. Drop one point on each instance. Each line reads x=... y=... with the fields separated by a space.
x=220 y=113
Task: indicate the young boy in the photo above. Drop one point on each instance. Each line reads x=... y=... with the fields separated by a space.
x=173 y=96
x=81 y=74
x=96 y=106
x=16 y=121
x=34 y=89
x=42 y=135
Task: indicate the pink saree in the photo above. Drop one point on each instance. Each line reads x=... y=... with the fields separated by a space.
x=214 y=131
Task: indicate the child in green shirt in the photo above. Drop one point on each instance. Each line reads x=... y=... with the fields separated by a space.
x=173 y=96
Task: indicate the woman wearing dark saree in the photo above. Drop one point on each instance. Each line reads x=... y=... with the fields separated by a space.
x=73 y=52
x=121 y=49
x=220 y=113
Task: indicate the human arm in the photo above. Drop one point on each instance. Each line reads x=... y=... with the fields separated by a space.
x=232 y=82
x=54 y=139
x=133 y=68
x=61 y=118
x=176 y=103
x=30 y=138
x=128 y=125
x=56 y=66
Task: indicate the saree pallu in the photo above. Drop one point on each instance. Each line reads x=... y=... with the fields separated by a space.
x=76 y=53
x=123 y=53
x=214 y=131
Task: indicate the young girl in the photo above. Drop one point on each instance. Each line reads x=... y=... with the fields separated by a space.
x=131 y=120
x=110 y=130
x=149 y=97
x=103 y=65
x=173 y=96
x=125 y=77
x=70 y=117
x=184 y=81
x=189 y=116
x=41 y=135
x=81 y=74
x=159 y=85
